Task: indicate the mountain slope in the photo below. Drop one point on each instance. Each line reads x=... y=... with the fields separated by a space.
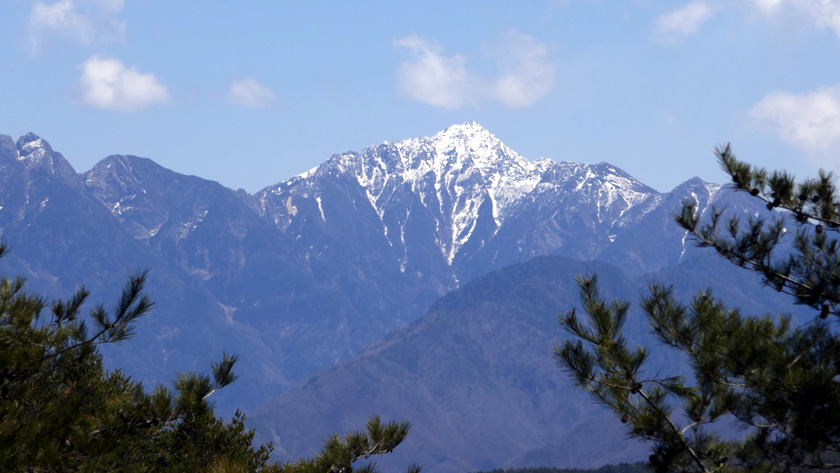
x=309 y=271
x=61 y=237
x=476 y=376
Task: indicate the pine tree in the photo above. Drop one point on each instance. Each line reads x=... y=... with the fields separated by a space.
x=338 y=455
x=61 y=411
x=779 y=381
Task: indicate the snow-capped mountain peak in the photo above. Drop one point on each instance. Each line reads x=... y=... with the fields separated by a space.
x=472 y=139
x=456 y=172
x=467 y=180
x=459 y=146
x=36 y=154
x=32 y=148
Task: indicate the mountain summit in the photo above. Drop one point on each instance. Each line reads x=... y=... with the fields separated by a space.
x=36 y=155
x=309 y=271
x=460 y=187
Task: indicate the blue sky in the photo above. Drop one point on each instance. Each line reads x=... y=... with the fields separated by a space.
x=249 y=93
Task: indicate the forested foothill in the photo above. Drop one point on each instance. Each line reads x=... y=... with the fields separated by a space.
x=62 y=411
x=638 y=467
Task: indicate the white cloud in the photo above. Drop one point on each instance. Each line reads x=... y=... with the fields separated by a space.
x=808 y=121
x=61 y=16
x=108 y=84
x=525 y=74
x=683 y=21
x=767 y=6
x=250 y=93
x=83 y=21
x=688 y=19
x=823 y=13
x=433 y=78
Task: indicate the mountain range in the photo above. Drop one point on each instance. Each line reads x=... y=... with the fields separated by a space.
x=304 y=278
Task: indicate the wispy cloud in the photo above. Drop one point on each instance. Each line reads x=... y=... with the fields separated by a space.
x=108 y=84
x=433 y=78
x=82 y=21
x=683 y=21
x=250 y=93
x=525 y=73
x=766 y=6
x=689 y=18
x=809 y=121
x=60 y=18
x=823 y=13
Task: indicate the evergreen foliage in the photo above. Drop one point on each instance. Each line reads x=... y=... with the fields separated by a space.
x=61 y=411
x=338 y=455
x=777 y=380
x=638 y=467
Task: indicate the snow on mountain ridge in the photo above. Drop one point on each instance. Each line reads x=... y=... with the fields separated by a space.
x=38 y=156
x=33 y=151
x=453 y=156
x=468 y=165
x=611 y=191
x=460 y=171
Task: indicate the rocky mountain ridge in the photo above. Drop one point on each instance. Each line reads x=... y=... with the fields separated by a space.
x=307 y=272
x=466 y=183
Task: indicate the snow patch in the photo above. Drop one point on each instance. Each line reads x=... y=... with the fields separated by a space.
x=320 y=208
x=154 y=231
x=682 y=253
x=189 y=226
x=35 y=150
x=290 y=209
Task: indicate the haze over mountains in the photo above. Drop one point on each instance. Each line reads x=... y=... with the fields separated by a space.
x=306 y=273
